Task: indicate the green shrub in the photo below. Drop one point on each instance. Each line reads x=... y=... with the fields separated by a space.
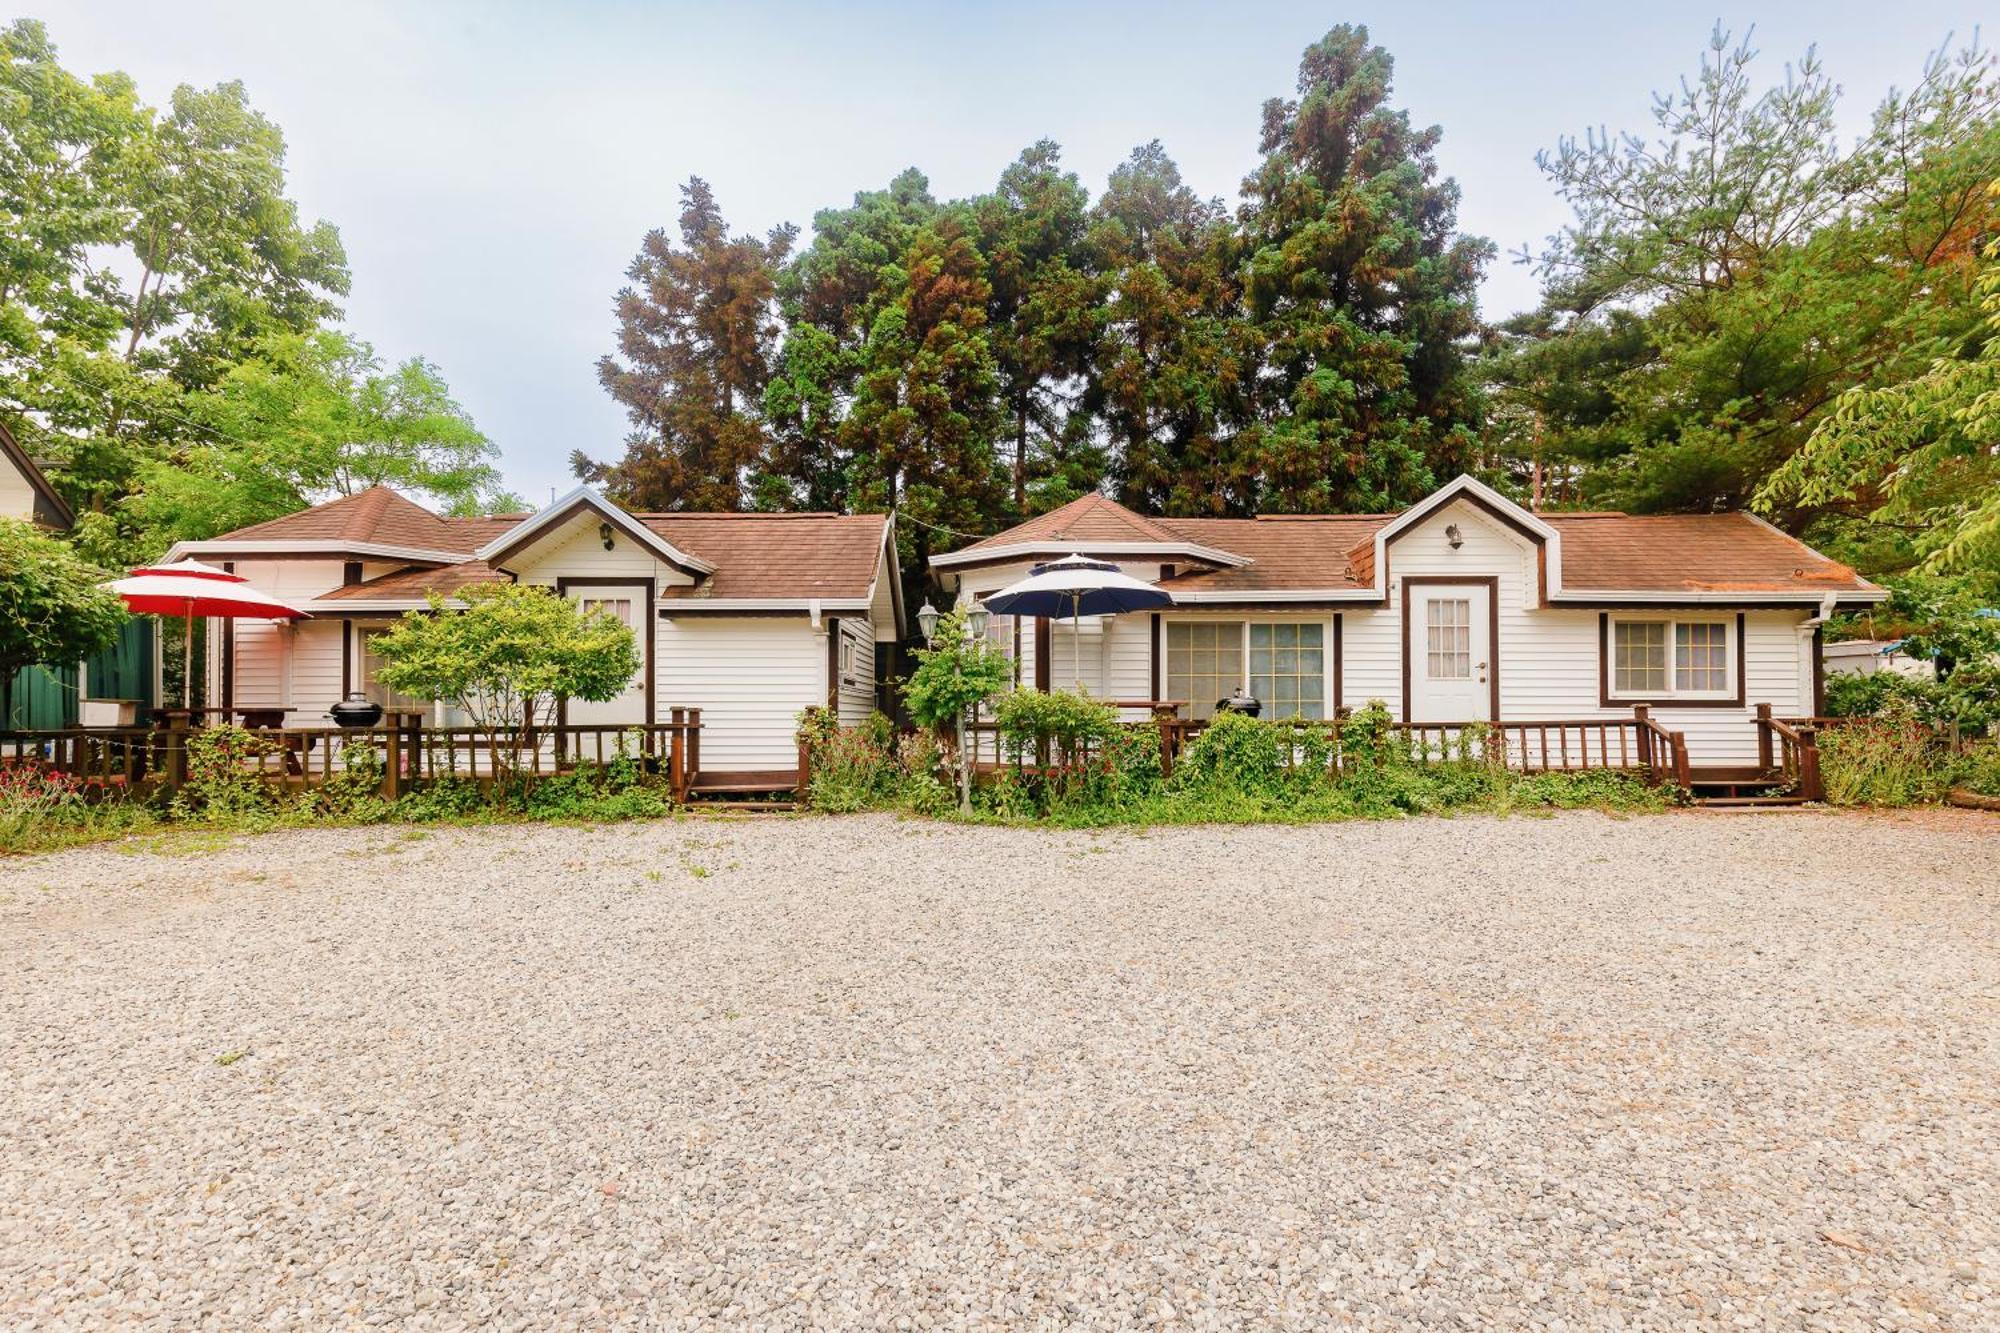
x=1590 y=789
x=1979 y=772
x=852 y=768
x=442 y=800
x=920 y=765
x=1058 y=724
x=1237 y=753
x=1891 y=760
x=225 y=776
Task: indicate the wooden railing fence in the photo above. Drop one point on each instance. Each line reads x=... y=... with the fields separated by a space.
x=1636 y=744
x=134 y=759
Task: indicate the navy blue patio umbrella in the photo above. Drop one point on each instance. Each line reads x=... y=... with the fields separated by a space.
x=1077 y=586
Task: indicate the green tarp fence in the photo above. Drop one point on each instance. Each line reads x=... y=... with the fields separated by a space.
x=44 y=698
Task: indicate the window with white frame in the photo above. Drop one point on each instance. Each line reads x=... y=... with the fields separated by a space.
x=1672 y=658
x=1283 y=664
x=1288 y=669
x=371 y=662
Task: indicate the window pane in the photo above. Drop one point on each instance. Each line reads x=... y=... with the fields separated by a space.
x=1639 y=657
x=1701 y=657
x=1448 y=638
x=1288 y=680
x=1204 y=663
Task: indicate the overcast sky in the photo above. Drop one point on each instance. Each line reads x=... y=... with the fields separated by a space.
x=492 y=166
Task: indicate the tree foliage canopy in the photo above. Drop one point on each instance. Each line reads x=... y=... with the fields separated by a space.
x=166 y=317
x=51 y=609
x=1740 y=290
x=511 y=656
x=971 y=362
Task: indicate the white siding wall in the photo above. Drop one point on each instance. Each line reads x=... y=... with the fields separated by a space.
x=750 y=676
x=279 y=665
x=1549 y=657
x=575 y=551
x=17 y=497
x=857 y=686
x=1111 y=654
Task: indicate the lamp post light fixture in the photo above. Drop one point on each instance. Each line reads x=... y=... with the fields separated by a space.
x=976 y=617
x=927 y=621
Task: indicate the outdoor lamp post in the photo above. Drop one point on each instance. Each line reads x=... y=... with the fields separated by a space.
x=927 y=619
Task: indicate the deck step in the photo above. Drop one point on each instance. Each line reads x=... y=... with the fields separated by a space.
x=756 y=807
x=1748 y=802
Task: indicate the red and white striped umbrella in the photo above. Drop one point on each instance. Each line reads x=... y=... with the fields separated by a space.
x=188 y=588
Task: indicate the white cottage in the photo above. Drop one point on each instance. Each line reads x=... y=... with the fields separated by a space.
x=748 y=617
x=1464 y=607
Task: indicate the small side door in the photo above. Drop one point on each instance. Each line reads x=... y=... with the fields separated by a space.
x=1449 y=652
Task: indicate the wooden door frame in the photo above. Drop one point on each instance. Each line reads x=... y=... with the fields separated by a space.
x=649 y=635
x=1491 y=582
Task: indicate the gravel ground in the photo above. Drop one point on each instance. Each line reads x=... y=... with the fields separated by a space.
x=1677 y=1071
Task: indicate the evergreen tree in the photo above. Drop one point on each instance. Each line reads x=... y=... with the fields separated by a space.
x=1725 y=285
x=1043 y=318
x=697 y=333
x=1166 y=380
x=829 y=294
x=926 y=406
x=1360 y=291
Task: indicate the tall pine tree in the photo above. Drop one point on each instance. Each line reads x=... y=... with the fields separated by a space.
x=1043 y=316
x=1166 y=380
x=1360 y=290
x=697 y=332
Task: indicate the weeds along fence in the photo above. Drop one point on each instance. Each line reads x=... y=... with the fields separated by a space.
x=134 y=761
x=1637 y=745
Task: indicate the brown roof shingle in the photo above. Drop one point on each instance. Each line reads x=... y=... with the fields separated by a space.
x=378 y=515
x=416 y=582
x=1088 y=519
x=1691 y=553
x=787 y=556
x=1602 y=552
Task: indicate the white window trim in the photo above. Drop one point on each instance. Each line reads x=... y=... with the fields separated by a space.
x=1731 y=655
x=1328 y=664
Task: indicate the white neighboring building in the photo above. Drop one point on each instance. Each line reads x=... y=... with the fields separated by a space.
x=748 y=617
x=1464 y=607
x=1866 y=657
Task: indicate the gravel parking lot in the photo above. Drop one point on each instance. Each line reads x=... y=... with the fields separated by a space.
x=1674 y=1071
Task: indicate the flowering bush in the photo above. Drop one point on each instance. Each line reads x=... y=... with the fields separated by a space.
x=30 y=790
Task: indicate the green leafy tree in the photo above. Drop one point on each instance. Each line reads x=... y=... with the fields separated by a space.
x=697 y=332
x=1920 y=452
x=95 y=186
x=829 y=296
x=51 y=610
x=1043 y=312
x=509 y=658
x=926 y=406
x=1360 y=290
x=308 y=418
x=1167 y=378
x=1726 y=279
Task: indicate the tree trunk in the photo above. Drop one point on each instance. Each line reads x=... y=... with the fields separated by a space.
x=1021 y=456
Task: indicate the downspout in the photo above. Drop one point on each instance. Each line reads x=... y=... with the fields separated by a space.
x=1808 y=629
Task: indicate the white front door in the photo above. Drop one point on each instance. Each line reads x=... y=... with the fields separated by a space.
x=627 y=601
x=1450 y=652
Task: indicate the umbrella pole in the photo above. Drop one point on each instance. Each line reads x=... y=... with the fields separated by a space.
x=187 y=661
x=1076 y=643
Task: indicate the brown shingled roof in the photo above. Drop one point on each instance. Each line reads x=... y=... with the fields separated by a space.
x=1287 y=552
x=1607 y=552
x=776 y=555
x=1690 y=553
x=789 y=556
x=1088 y=519
x=416 y=582
x=377 y=514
